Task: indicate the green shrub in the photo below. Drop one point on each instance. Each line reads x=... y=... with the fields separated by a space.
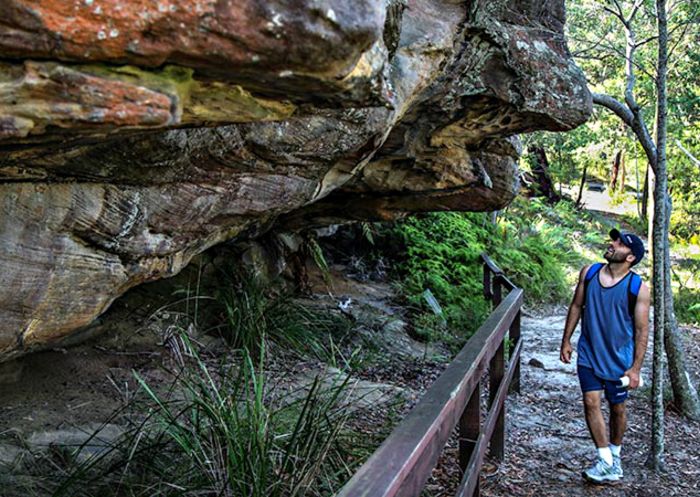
x=441 y=252
x=687 y=305
x=536 y=245
x=686 y=277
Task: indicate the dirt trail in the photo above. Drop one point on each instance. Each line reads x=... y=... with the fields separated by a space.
x=548 y=444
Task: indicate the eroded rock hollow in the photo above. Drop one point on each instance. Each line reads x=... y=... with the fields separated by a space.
x=135 y=134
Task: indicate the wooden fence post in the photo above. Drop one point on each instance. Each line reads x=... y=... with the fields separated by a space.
x=497 y=291
x=469 y=430
x=514 y=335
x=496 y=373
x=487 y=282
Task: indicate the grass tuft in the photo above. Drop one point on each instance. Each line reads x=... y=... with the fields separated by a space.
x=220 y=430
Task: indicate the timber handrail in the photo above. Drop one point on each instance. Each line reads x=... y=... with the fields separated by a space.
x=493 y=277
x=403 y=463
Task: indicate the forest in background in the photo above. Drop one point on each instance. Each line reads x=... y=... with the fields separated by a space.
x=606 y=152
x=597 y=44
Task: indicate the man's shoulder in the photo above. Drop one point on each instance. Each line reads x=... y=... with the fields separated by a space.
x=643 y=292
x=587 y=267
x=582 y=273
x=637 y=281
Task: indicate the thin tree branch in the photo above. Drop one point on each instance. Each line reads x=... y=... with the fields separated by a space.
x=635 y=8
x=611 y=103
x=690 y=156
x=599 y=58
x=686 y=26
x=644 y=42
x=619 y=7
x=616 y=14
x=613 y=50
x=630 y=49
x=592 y=44
x=633 y=120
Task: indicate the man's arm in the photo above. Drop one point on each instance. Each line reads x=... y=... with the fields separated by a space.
x=641 y=329
x=572 y=318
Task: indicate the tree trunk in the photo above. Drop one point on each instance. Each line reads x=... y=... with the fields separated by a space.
x=685 y=395
x=656 y=457
x=621 y=184
x=660 y=251
x=651 y=206
x=540 y=173
x=645 y=194
x=637 y=199
x=583 y=183
x=615 y=171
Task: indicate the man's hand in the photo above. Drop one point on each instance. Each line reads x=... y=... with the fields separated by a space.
x=565 y=352
x=633 y=376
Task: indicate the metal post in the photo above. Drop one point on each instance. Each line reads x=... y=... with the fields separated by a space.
x=469 y=430
x=496 y=373
x=514 y=335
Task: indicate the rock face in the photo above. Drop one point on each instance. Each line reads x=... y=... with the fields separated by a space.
x=134 y=134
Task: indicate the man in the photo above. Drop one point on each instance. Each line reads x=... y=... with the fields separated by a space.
x=614 y=332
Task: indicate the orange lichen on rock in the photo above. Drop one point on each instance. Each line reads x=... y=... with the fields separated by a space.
x=47 y=93
x=38 y=99
x=223 y=35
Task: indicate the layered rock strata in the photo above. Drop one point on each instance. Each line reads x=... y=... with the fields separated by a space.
x=135 y=134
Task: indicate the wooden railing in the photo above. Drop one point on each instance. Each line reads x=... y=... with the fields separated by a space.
x=403 y=463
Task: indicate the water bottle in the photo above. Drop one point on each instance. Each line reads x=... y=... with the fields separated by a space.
x=625 y=382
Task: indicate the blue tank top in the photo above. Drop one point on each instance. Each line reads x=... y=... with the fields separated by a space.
x=607 y=333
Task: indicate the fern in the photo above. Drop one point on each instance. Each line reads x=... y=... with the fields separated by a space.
x=317 y=254
x=367 y=232
x=320 y=260
x=532 y=242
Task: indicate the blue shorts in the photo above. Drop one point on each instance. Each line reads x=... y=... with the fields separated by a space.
x=615 y=393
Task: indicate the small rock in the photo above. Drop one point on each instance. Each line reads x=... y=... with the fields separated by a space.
x=359 y=394
x=87 y=441
x=536 y=363
x=10 y=457
x=395 y=326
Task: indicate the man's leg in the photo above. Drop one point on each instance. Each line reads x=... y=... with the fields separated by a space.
x=594 y=418
x=592 y=388
x=618 y=422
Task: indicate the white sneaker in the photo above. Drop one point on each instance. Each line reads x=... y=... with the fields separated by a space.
x=602 y=472
x=617 y=466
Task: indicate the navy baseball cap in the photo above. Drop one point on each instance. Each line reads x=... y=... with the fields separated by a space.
x=632 y=241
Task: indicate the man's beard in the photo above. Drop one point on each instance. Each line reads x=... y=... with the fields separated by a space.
x=615 y=256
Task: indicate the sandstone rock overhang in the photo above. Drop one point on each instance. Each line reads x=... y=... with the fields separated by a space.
x=136 y=134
